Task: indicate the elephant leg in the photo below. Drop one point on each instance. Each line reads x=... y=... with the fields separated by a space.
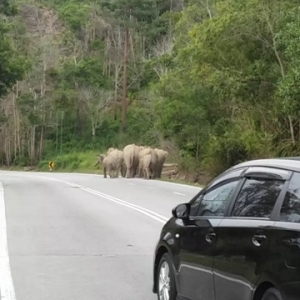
x=115 y=172
x=118 y=171
x=137 y=169
x=110 y=172
x=128 y=173
x=147 y=170
x=123 y=170
x=157 y=172
x=152 y=176
x=104 y=172
x=134 y=171
x=140 y=171
x=152 y=169
x=158 y=175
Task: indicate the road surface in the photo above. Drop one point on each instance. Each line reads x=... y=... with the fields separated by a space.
x=79 y=236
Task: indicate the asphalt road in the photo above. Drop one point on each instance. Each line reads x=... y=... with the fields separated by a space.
x=78 y=236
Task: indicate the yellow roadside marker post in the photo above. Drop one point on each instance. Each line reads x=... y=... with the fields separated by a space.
x=51 y=165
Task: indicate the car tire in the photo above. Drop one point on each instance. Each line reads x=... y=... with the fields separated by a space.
x=272 y=294
x=165 y=279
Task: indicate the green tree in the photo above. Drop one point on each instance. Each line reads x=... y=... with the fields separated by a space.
x=135 y=14
x=12 y=65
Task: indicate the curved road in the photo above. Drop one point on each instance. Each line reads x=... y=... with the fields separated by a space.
x=80 y=236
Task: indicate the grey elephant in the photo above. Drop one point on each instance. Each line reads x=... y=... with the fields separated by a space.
x=112 y=162
x=146 y=151
x=161 y=158
x=118 y=157
x=108 y=164
x=131 y=159
x=148 y=165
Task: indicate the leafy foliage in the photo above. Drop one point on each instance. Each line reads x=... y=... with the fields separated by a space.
x=216 y=79
x=12 y=65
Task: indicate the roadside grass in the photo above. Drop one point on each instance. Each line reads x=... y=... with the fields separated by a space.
x=80 y=162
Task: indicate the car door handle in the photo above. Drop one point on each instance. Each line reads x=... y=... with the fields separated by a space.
x=210 y=237
x=258 y=238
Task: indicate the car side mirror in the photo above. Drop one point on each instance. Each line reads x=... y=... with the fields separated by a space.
x=181 y=211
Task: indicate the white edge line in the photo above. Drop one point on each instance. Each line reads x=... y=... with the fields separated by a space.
x=7 y=290
x=124 y=202
x=177 y=193
x=129 y=206
x=180 y=184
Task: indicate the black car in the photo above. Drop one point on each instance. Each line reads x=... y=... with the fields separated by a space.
x=237 y=239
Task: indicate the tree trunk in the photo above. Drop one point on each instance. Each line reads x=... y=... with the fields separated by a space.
x=15 y=125
x=41 y=143
x=291 y=129
x=6 y=147
x=125 y=81
x=32 y=145
x=116 y=91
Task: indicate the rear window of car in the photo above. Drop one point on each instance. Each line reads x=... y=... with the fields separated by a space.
x=257 y=198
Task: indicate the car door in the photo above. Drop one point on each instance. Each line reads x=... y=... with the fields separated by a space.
x=284 y=257
x=243 y=238
x=197 y=238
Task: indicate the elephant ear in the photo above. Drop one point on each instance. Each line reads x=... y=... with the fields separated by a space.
x=166 y=154
x=101 y=157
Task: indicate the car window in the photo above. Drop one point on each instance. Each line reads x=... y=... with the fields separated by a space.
x=290 y=210
x=214 y=202
x=257 y=198
x=195 y=204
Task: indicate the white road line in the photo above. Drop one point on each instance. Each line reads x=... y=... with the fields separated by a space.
x=129 y=206
x=125 y=202
x=7 y=290
x=177 y=193
x=179 y=184
x=147 y=212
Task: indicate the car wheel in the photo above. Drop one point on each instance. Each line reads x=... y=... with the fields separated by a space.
x=166 y=287
x=271 y=294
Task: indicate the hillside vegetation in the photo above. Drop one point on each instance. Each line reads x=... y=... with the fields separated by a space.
x=214 y=82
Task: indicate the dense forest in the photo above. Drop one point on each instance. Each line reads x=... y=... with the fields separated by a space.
x=212 y=81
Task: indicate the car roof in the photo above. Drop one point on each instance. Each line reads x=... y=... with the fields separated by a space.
x=286 y=163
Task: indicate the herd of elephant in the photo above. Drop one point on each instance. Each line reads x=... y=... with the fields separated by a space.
x=141 y=161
